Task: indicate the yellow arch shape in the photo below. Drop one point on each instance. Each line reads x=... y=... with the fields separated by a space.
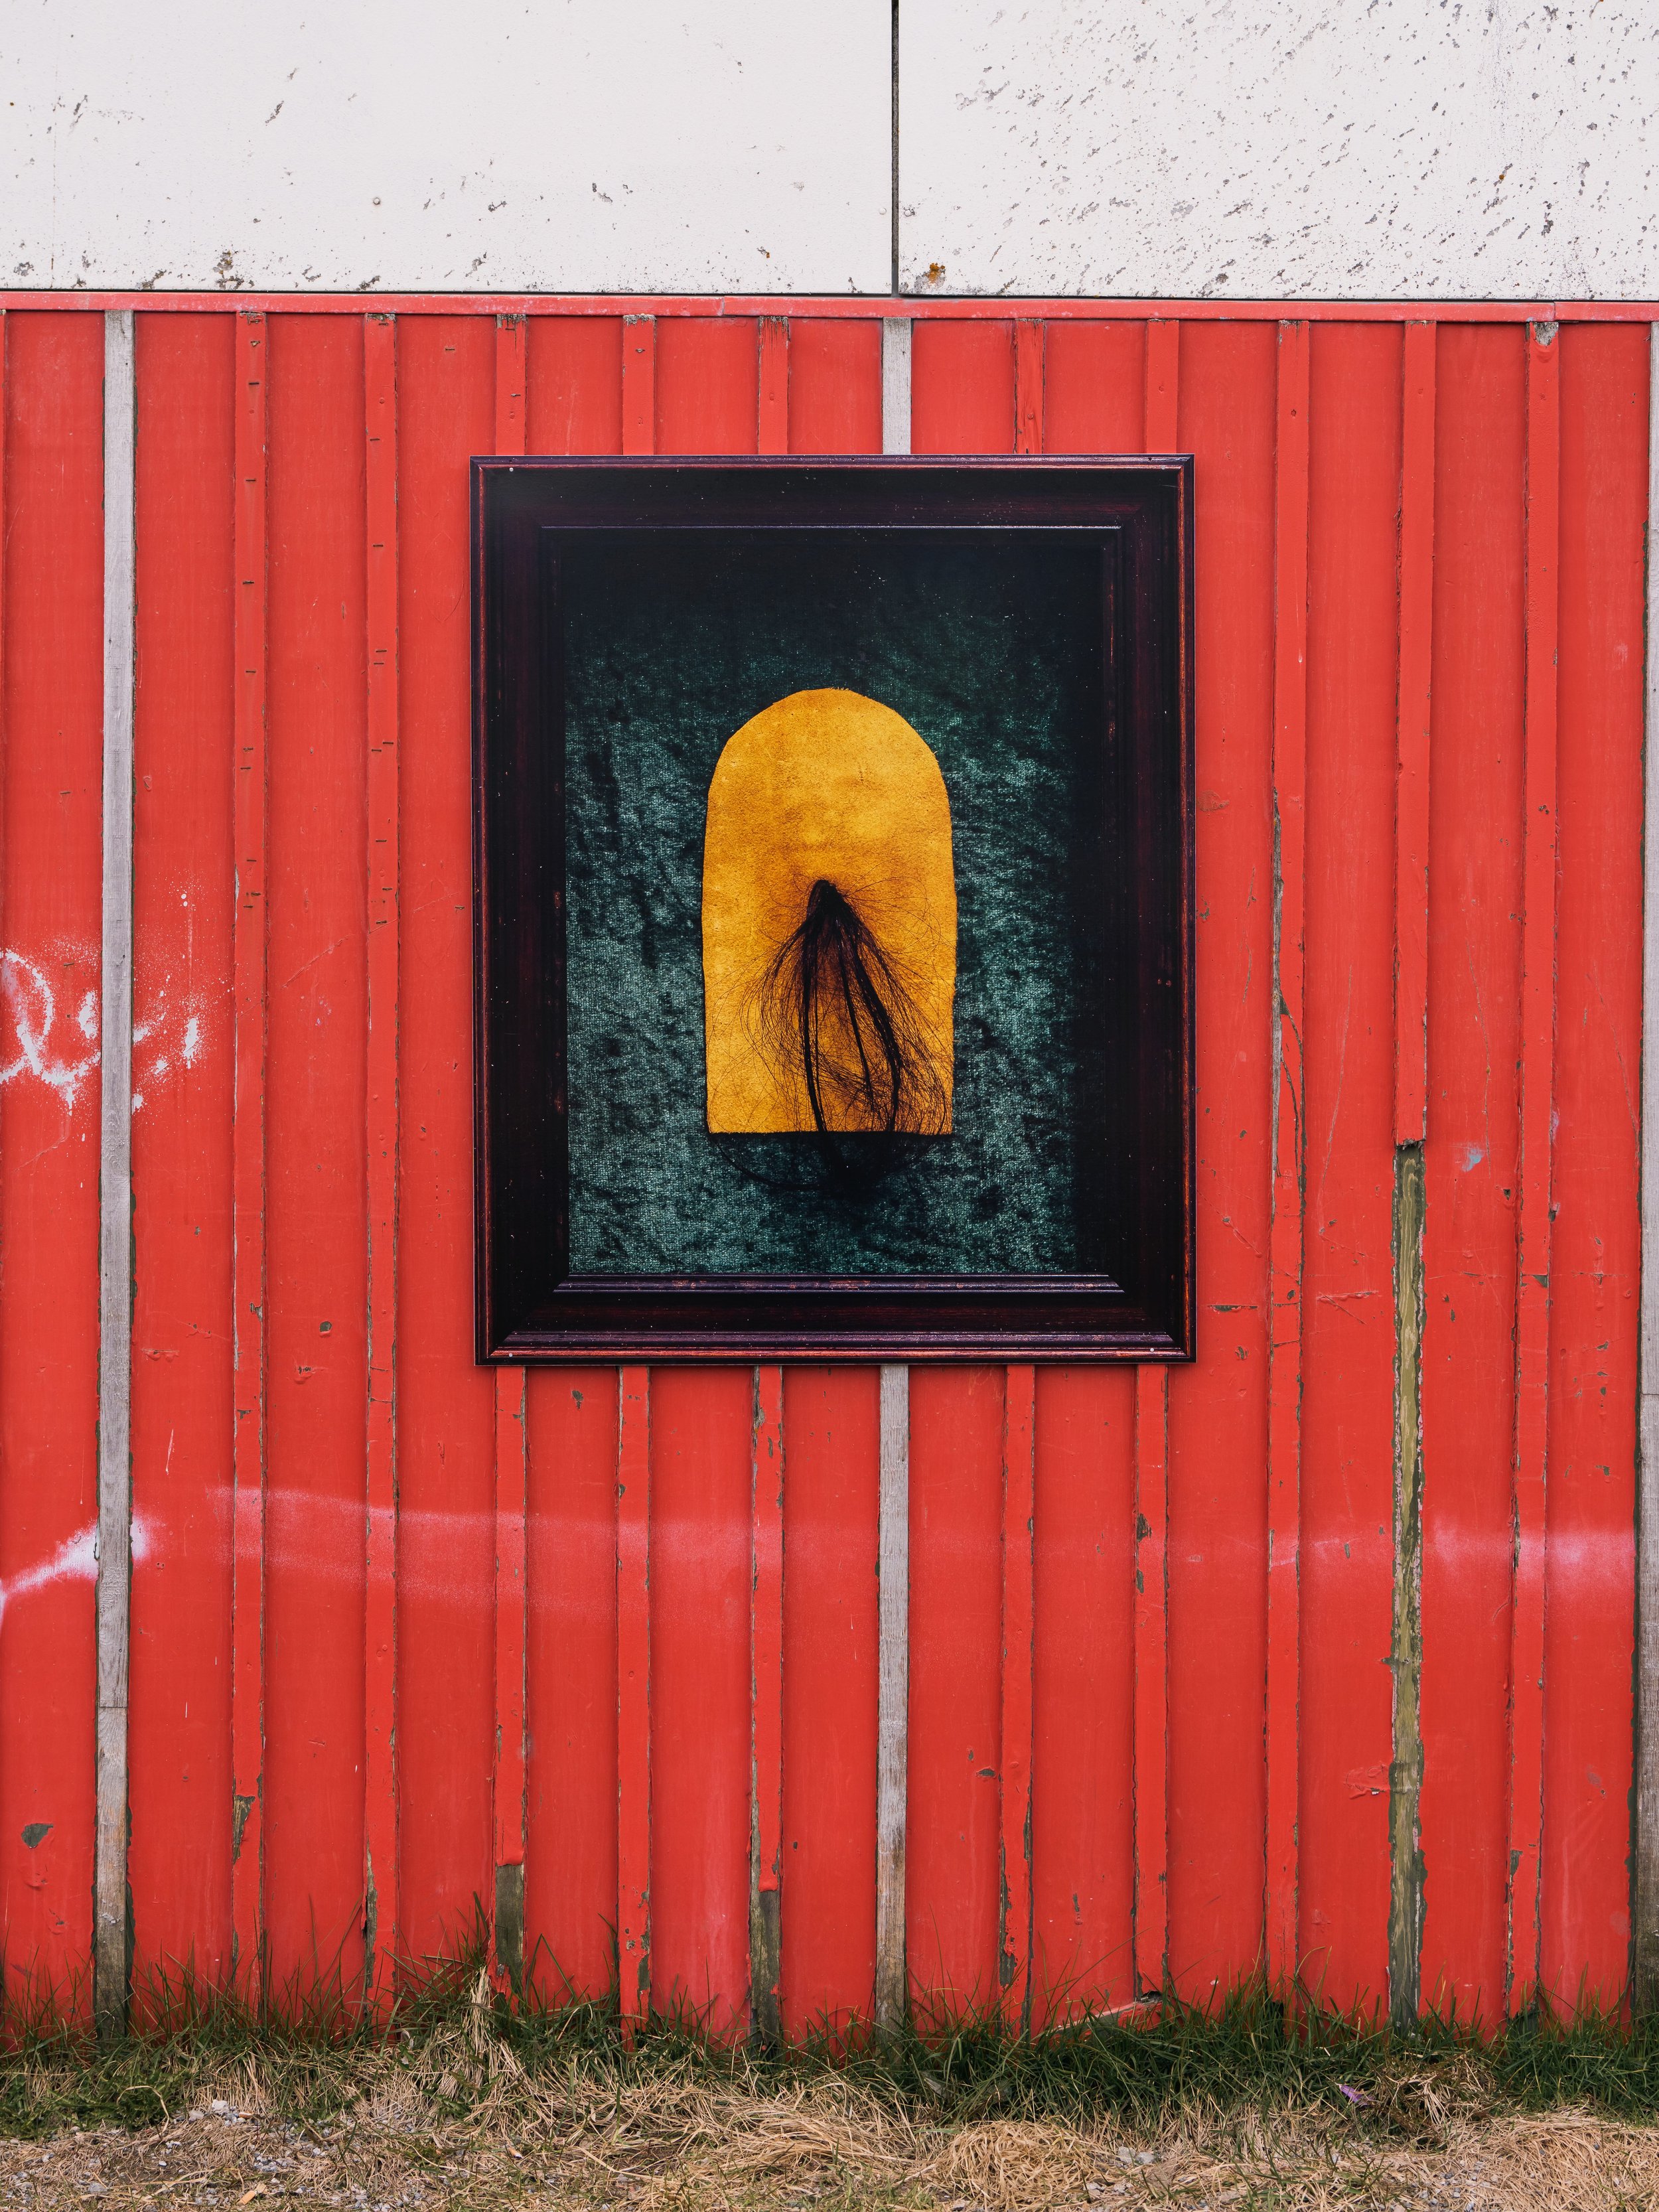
x=820 y=785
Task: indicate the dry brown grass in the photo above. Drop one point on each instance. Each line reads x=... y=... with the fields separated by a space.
x=459 y=2124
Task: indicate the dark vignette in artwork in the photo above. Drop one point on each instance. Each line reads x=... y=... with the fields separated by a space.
x=530 y=1304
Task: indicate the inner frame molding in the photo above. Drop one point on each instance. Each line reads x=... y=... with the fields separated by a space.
x=539 y=1297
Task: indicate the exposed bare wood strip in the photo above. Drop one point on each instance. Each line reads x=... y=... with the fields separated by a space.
x=1285 y=1256
x=1647 y=1758
x=1537 y=1157
x=1152 y=1726
x=766 y=1692
x=895 y=384
x=248 y=1167
x=633 y=1695
x=893 y=1696
x=774 y=430
x=1019 y=1657
x=114 y=1591
x=1410 y=1024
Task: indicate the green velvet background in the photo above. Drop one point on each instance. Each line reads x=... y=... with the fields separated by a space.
x=989 y=646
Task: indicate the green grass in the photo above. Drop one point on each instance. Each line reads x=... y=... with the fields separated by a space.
x=1248 y=2055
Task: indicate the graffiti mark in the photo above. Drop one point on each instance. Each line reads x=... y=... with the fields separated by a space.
x=28 y=1017
x=75 y=1560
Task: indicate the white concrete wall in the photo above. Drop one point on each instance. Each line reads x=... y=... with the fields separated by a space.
x=1446 y=149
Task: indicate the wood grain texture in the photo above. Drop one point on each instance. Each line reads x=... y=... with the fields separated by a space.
x=773 y=431
x=1152 y=1764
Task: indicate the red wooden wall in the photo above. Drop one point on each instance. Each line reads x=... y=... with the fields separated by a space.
x=399 y=1622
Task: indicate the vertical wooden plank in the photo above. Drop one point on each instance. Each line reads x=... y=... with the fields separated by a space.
x=766 y=1703
x=1028 y=385
x=1163 y=385
x=1218 y=1530
x=1152 y=1460
x=896 y=364
x=510 y=411
x=832 y=1648
x=1289 y=1157
x=773 y=432
x=183 y=1135
x=639 y=384
x=380 y=1614
x=1019 y=1657
x=1082 y=1692
x=511 y=1473
x=53 y=550
x=316 y=1221
x=701 y=1573
x=1595 y=1244
x=1411 y=1016
x=575 y=371
x=1152 y=1680
x=1543 y=527
x=706 y=397
x=952 y=1829
x=1094 y=387
x=570 y=1699
x=511 y=1476
x=893 y=1699
x=835 y=385
x=633 y=1695
x=962 y=396
x=446 y=1405
x=1346 y=1546
x=1471 y=1163
x=1647 y=1672
x=111 y=1964
x=248 y=1155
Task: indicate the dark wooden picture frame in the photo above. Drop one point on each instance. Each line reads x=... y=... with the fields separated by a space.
x=529 y=1306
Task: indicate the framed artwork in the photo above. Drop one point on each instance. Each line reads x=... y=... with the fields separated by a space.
x=834 y=909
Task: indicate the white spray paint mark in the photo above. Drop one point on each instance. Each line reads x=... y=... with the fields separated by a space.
x=28 y=1011
x=76 y=1559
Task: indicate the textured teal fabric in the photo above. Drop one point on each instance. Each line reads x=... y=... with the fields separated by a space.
x=988 y=646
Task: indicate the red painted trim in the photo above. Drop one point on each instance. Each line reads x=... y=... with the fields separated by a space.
x=1411 y=1026
x=381 y=1613
x=1285 y=1249
x=1028 y=386
x=639 y=384
x=766 y=1639
x=773 y=436
x=1019 y=1659
x=251 y=930
x=633 y=1695
x=1151 y=1724
x=1532 y=1330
